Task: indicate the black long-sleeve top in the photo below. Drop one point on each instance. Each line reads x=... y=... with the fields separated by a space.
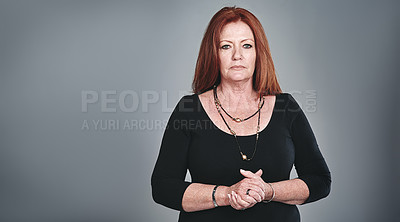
x=192 y=142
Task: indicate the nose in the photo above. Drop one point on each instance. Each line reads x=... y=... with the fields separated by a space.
x=237 y=54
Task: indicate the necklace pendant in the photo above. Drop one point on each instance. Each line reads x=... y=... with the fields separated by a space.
x=244 y=157
x=238 y=120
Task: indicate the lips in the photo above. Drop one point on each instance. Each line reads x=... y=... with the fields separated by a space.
x=238 y=67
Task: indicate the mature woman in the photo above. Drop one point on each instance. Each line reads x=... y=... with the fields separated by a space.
x=238 y=135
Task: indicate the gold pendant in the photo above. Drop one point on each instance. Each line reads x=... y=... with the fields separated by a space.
x=244 y=157
x=238 y=120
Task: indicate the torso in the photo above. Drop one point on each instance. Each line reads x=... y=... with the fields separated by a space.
x=245 y=128
x=212 y=155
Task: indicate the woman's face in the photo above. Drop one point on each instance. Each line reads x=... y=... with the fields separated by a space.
x=237 y=52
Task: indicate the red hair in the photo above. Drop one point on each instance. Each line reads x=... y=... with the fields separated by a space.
x=207 y=66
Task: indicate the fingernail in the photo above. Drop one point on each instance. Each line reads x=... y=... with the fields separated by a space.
x=241 y=170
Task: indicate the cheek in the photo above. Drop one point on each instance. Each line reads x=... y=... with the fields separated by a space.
x=253 y=58
x=224 y=60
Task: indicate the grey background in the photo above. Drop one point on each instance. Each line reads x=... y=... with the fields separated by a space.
x=51 y=51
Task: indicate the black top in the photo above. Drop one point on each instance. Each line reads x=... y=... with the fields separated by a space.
x=192 y=141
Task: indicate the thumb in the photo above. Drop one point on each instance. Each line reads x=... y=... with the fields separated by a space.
x=259 y=172
x=247 y=173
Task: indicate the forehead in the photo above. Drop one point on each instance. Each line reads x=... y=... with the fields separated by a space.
x=236 y=30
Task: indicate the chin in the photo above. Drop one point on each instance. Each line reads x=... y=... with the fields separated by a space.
x=238 y=77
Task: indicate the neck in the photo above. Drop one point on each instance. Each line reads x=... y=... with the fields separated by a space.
x=238 y=95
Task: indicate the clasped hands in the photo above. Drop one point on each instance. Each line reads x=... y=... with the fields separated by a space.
x=249 y=191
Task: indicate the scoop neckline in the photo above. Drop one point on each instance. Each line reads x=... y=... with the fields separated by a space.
x=251 y=135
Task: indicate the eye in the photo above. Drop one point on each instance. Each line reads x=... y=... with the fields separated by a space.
x=247 y=46
x=225 y=47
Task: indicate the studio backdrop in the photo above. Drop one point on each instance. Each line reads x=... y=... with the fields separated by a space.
x=88 y=86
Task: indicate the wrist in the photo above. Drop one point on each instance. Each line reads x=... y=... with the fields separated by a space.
x=221 y=196
x=270 y=193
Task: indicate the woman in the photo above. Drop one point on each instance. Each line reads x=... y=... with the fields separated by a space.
x=238 y=135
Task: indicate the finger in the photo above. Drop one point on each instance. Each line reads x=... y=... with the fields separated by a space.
x=249 y=199
x=252 y=176
x=251 y=205
x=252 y=187
x=230 y=199
x=256 y=177
x=244 y=203
x=258 y=195
x=247 y=173
x=234 y=202
x=255 y=195
x=253 y=182
x=256 y=186
x=246 y=184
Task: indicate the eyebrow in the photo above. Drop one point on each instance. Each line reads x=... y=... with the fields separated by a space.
x=232 y=42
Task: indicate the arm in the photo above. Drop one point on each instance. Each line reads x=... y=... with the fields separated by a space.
x=168 y=178
x=293 y=191
x=309 y=163
x=314 y=178
x=199 y=196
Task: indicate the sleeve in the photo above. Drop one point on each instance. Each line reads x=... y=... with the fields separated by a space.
x=309 y=162
x=168 y=178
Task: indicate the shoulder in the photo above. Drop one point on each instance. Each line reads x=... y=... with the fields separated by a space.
x=187 y=110
x=196 y=102
x=287 y=102
x=287 y=105
x=188 y=104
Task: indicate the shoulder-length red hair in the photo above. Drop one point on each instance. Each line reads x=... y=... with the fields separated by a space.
x=207 y=67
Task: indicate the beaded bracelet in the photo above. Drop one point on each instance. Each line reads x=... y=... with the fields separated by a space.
x=273 y=194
